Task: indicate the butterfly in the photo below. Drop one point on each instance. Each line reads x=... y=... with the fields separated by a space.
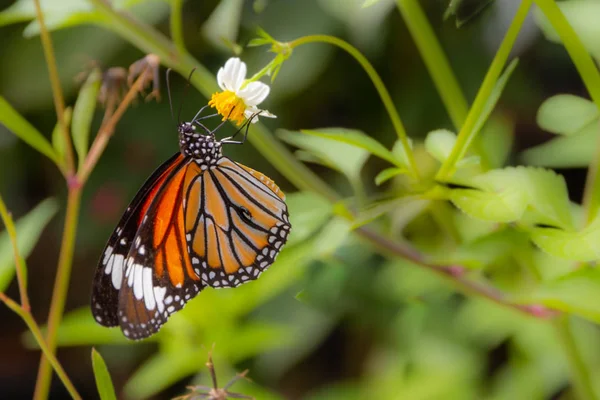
x=200 y=220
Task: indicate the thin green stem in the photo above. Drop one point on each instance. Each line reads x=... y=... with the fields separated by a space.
x=37 y=334
x=177 y=25
x=59 y=101
x=582 y=381
x=439 y=67
x=19 y=262
x=467 y=134
x=436 y=62
x=61 y=286
x=591 y=78
x=377 y=82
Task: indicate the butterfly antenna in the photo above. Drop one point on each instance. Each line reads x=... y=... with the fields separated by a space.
x=169 y=92
x=185 y=90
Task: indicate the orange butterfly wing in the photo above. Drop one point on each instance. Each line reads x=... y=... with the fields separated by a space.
x=109 y=274
x=158 y=278
x=236 y=222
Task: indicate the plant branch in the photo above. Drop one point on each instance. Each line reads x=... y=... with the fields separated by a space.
x=466 y=134
x=59 y=101
x=379 y=86
x=177 y=26
x=37 y=334
x=19 y=262
x=61 y=286
x=455 y=274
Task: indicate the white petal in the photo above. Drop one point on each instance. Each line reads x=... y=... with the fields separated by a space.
x=254 y=93
x=250 y=111
x=220 y=77
x=234 y=74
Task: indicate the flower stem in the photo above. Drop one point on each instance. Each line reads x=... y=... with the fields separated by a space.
x=37 y=334
x=59 y=101
x=582 y=381
x=19 y=262
x=437 y=64
x=177 y=25
x=467 y=134
x=377 y=82
x=61 y=286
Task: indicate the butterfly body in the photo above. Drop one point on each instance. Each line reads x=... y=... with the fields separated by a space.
x=200 y=220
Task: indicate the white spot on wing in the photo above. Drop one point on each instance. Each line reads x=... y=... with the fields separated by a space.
x=148 y=288
x=117 y=270
x=159 y=295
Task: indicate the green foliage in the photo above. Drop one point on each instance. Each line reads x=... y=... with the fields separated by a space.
x=576 y=120
x=581 y=14
x=29 y=229
x=18 y=125
x=104 y=383
x=58 y=137
x=83 y=113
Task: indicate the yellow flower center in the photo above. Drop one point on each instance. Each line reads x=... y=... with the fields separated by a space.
x=229 y=106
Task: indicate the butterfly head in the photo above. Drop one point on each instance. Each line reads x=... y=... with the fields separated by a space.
x=203 y=148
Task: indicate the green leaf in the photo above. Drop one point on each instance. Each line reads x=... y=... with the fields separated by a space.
x=104 y=383
x=78 y=328
x=223 y=24
x=358 y=139
x=566 y=114
x=369 y=3
x=345 y=158
x=29 y=229
x=399 y=152
x=575 y=151
x=83 y=113
x=577 y=293
x=24 y=10
x=388 y=174
x=10 y=118
x=58 y=139
x=439 y=143
x=483 y=251
x=409 y=206
x=576 y=246
x=548 y=196
x=497 y=137
x=308 y=211
x=331 y=237
x=506 y=206
x=465 y=10
x=505 y=194
x=582 y=16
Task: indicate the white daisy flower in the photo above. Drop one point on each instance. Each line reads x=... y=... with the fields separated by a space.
x=239 y=100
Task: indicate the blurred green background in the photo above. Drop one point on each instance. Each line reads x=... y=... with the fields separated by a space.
x=332 y=318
